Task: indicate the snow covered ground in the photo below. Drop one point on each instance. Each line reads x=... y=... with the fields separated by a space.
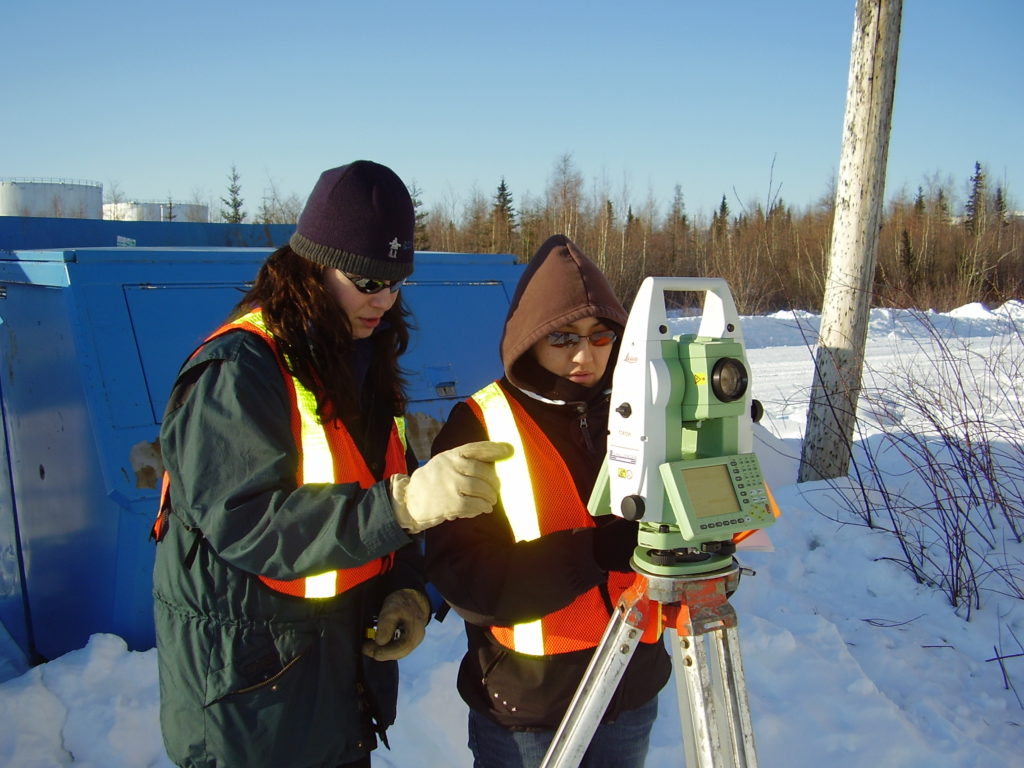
x=849 y=662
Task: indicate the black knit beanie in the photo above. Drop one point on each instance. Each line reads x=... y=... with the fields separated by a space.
x=359 y=218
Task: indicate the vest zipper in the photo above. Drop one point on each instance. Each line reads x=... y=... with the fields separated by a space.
x=587 y=441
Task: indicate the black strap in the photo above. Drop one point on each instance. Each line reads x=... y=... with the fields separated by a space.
x=190 y=556
x=363 y=687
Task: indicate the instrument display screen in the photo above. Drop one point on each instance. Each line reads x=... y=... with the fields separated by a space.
x=711 y=490
x=712 y=499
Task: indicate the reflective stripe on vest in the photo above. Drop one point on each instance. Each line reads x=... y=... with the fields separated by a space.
x=327 y=454
x=539 y=497
x=516 y=495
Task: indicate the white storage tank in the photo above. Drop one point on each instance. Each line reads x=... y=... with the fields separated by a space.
x=60 y=198
x=138 y=210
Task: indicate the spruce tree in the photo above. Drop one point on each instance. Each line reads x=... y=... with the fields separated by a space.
x=233 y=214
x=503 y=221
x=421 y=237
x=720 y=220
x=907 y=255
x=919 y=205
x=974 y=211
x=942 y=206
x=999 y=206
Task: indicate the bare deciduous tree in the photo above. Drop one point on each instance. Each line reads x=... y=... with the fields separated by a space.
x=839 y=360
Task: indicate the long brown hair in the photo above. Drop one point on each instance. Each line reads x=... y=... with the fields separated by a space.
x=316 y=338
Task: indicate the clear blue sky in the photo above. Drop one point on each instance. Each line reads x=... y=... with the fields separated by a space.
x=741 y=98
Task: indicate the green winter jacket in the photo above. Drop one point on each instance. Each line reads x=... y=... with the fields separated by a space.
x=248 y=676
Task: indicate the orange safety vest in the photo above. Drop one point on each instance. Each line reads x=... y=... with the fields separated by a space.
x=327 y=454
x=539 y=497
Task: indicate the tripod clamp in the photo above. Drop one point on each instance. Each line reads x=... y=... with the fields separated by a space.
x=695 y=604
x=697 y=607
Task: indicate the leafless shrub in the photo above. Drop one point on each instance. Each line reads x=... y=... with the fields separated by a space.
x=950 y=419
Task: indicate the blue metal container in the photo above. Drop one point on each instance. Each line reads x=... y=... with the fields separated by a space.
x=90 y=342
x=23 y=233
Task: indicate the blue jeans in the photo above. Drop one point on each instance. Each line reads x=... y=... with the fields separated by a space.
x=622 y=744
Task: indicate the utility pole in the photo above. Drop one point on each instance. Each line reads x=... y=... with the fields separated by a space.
x=839 y=359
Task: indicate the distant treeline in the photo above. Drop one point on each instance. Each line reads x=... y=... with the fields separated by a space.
x=932 y=255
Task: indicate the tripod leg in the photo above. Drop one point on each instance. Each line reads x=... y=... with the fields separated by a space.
x=599 y=682
x=713 y=711
x=697 y=711
x=741 y=728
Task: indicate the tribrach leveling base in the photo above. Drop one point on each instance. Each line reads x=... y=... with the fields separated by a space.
x=679 y=461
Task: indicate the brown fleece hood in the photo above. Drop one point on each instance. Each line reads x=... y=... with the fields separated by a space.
x=560 y=285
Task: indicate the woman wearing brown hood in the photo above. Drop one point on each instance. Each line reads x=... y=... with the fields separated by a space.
x=536 y=580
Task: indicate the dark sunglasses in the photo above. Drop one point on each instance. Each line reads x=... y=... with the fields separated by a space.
x=562 y=339
x=372 y=285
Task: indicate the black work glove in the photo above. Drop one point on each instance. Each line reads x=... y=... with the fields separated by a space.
x=614 y=542
x=401 y=627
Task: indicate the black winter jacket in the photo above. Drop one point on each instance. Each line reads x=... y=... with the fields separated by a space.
x=249 y=676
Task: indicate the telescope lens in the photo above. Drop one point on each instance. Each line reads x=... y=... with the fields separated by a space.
x=729 y=379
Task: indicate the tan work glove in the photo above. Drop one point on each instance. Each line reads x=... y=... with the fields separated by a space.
x=401 y=625
x=460 y=482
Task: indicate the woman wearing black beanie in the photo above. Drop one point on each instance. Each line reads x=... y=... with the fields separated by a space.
x=287 y=582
